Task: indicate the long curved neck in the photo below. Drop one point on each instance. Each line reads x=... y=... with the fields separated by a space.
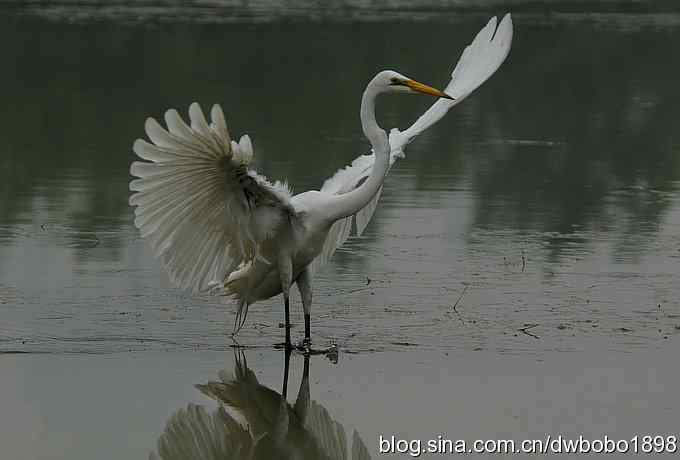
x=350 y=203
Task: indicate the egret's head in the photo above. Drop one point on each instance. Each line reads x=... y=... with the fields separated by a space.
x=389 y=81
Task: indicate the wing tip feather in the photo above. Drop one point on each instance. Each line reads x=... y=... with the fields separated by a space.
x=150 y=122
x=138 y=146
x=196 y=113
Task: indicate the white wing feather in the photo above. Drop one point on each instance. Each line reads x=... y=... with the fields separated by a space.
x=480 y=60
x=328 y=433
x=359 y=449
x=477 y=63
x=193 y=433
x=197 y=202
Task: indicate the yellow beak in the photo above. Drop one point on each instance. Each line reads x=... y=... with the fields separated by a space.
x=424 y=89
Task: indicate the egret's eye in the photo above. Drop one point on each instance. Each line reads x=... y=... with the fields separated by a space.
x=395 y=81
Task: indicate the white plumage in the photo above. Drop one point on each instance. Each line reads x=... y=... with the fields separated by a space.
x=478 y=62
x=211 y=219
x=203 y=211
x=193 y=434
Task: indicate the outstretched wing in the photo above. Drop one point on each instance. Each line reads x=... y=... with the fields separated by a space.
x=479 y=61
x=199 y=204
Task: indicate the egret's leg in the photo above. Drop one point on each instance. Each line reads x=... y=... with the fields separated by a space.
x=286 y=300
x=286 y=273
x=303 y=400
x=286 y=370
x=304 y=284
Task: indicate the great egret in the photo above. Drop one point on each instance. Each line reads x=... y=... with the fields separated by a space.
x=211 y=219
x=256 y=422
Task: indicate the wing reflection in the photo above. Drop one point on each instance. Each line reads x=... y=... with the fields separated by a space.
x=256 y=422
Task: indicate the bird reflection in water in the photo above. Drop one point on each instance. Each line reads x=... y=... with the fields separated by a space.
x=256 y=422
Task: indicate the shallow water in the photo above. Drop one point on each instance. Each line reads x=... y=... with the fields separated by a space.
x=120 y=405
x=545 y=208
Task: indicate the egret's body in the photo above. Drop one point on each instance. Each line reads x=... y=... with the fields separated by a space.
x=214 y=221
x=301 y=243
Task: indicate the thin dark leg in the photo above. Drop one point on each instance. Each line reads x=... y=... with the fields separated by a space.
x=286 y=368
x=307 y=328
x=305 y=372
x=288 y=342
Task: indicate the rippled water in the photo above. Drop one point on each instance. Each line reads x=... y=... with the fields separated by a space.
x=550 y=197
x=541 y=216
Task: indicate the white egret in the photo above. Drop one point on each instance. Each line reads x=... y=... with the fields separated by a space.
x=211 y=219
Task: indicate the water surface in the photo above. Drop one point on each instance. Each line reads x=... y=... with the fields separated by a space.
x=546 y=207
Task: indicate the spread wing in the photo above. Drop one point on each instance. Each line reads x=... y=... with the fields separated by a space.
x=199 y=204
x=477 y=63
x=480 y=60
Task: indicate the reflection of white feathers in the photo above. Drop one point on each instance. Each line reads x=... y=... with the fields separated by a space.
x=267 y=427
x=193 y=434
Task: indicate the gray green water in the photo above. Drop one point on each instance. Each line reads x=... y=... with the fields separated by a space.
x=550 y=199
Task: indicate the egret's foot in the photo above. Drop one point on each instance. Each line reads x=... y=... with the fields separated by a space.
x=304 y=347
x=332 y=353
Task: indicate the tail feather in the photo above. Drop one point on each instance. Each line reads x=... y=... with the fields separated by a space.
x=236 y=286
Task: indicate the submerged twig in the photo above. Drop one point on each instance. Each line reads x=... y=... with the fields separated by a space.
x=460 y=297
x=525 y=330
x=455 y=305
